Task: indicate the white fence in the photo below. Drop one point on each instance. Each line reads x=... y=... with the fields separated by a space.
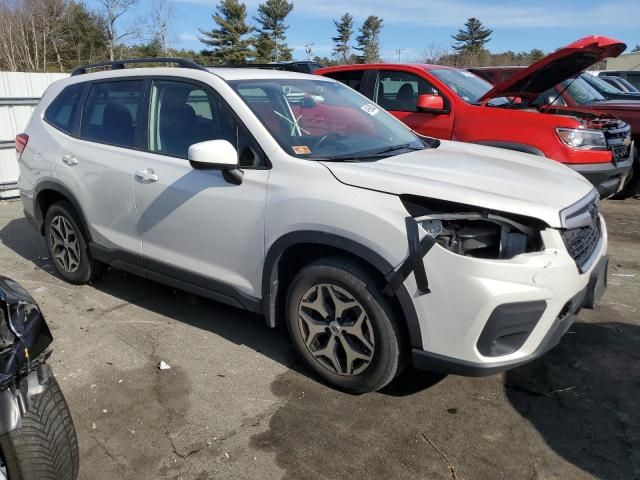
x=19 y=94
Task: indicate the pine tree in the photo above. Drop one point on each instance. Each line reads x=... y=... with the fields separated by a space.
x=535 y=55
x=342 y=39
x=473 y=38
x=229 y=41
x=369 y=39
x=271 y=41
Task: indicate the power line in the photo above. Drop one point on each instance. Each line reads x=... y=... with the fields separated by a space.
x=399 y=52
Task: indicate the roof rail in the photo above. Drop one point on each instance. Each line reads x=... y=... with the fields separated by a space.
x=120 y=64
x=287 y=67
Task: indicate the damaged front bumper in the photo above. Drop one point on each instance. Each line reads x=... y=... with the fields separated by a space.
x=483 y=316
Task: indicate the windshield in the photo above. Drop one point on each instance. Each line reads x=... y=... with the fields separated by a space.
x=599 y=84
x=467 y=85
x=323 y=120
x=581 y=91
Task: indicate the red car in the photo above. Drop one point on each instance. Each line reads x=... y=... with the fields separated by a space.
x=575 y=96
x=455 y=104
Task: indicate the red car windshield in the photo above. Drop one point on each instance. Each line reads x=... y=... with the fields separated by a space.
x=318 y=119
x=468 y=86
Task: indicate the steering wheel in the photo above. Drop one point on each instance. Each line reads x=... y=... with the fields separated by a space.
x=327 y=137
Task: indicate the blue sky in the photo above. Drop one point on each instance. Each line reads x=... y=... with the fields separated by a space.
x=417 y=26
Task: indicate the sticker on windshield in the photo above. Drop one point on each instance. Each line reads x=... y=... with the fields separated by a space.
x=370 y=109
x=301 y=150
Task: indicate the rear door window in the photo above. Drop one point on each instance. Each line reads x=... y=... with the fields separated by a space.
x=351 y=78
x=112 y=112
x=62 y=109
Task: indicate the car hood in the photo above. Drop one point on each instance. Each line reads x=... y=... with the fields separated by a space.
x=556 y=67
x=491 y=178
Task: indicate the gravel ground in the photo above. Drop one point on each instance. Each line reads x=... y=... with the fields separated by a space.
x=237 y=404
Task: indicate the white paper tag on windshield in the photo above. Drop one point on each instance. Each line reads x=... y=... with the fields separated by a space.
x=370 y=109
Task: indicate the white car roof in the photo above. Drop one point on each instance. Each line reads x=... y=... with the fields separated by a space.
x=258 y=73
x=225 y=73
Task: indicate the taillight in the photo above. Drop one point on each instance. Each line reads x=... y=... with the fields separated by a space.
x=21 y=142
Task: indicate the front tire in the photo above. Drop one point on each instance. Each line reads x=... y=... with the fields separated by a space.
x=67 y=245
x=343 y=326
x=45 y=447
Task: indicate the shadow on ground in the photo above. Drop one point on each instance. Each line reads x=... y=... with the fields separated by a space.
x=583 y=397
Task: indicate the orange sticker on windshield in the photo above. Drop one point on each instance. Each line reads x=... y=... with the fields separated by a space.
x=301 y=150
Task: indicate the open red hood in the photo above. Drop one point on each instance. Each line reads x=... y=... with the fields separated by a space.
x=556 y=67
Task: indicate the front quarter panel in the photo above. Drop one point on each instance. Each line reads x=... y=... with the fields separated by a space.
x=303 y=195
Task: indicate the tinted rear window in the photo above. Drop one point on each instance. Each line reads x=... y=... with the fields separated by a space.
x=111 y=112
x=61 y=111
x=351 y=78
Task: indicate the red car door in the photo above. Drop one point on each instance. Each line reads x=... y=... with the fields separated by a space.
x=398 y=91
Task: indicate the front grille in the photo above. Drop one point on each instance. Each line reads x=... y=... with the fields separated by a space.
x=619 y=141
x=582 y=241
x=617 y=134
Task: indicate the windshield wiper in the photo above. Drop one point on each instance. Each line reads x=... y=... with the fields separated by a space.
x=374 y=153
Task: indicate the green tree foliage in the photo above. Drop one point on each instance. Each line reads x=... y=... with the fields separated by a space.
x=83 y=35
x=271 y=41
x=369 y=39
x=325 y=61
x=49 y=35
x=344 y=27
x=536 y=54
x=473 y=38
x=230 y=40
x=482 y=58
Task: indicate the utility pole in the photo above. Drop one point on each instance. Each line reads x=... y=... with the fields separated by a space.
x=308 y=49
x=399 y=52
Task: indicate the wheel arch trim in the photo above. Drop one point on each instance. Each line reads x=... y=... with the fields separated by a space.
x=381 y=265
x=65 y=192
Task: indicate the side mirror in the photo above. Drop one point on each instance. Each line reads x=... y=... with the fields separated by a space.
x=216 y=155
x=431 y=103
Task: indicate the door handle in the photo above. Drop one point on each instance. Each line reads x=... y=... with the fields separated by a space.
x=147 y=175
x=69 y=160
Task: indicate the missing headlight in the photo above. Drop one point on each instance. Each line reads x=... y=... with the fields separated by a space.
x=476 y=233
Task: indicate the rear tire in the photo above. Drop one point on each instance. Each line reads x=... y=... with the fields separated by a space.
x=343 y=326
x=68 y=246
x=45 y=447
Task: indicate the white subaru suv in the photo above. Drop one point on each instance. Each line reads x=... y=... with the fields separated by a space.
x=295 y=197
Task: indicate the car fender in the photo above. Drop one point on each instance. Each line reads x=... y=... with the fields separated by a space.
x=273 y=256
